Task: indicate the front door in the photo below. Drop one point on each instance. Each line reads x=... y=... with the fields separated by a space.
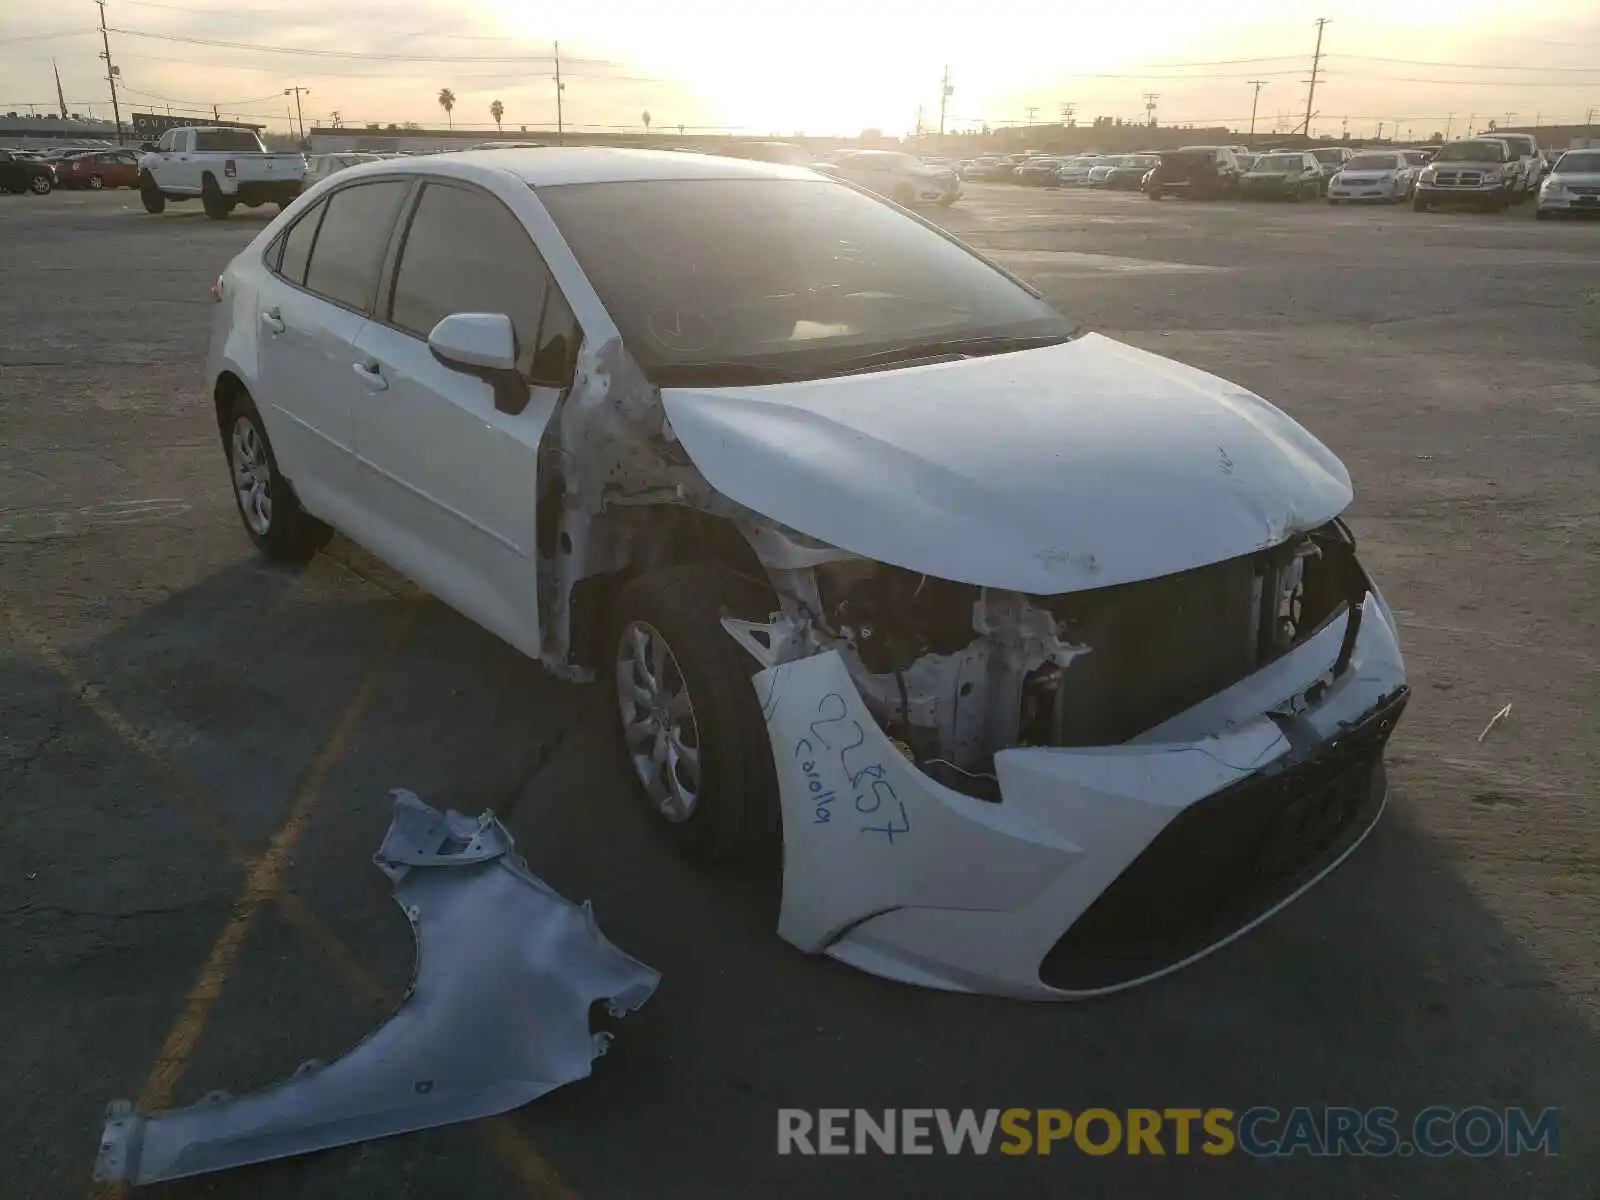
x=311 y=310
x=452 y=482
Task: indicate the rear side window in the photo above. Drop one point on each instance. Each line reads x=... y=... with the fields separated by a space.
x=295 y=247
x=237 y=141
x=465 y=252
x=350 y=244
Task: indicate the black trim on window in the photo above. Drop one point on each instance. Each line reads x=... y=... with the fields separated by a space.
x=320 y=209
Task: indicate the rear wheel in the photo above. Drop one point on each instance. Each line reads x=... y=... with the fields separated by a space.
x=217 y=205
x=1418 y=204
x=691 y=724
x=155 y=201
x=280 y=528
x=96 y=183
x=41 y=185
x=1154 y=193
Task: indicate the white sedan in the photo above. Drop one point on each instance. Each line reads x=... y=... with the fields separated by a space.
x=1385 y=176
x=1047 y=662
x=1572 y=188
x=1074 y=172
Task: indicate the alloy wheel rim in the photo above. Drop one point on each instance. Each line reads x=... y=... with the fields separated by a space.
x=252 y=476
x=658 y=721
x=96 y=183
x=40 y=184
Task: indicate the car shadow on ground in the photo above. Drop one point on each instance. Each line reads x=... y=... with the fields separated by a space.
x=1387 y=985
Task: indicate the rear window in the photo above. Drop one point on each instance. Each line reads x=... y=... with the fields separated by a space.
x=232 y=141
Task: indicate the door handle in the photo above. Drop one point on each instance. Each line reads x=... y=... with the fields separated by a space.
x=371 y=375
x=273 y=321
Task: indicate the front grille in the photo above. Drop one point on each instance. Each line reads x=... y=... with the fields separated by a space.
x=1459 y=178
x=1584 y=189
x=1228 y=858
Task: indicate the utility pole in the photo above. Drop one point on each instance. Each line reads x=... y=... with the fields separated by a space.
x=1471 y=121
x=1258 y=84
x=215 y=115
x=296 y=91
x=919 y=120
x=1509 y=115
x=945 y=91
x=1067 y=110
x=1379 y=138
x=1316 y=62
x=1150 y=99
x=560 y=87
x=61 y=97
x=1448 y=120
x=111 y=71
x=1030 y=110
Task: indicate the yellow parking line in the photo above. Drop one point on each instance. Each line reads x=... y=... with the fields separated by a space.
x=502 y=1135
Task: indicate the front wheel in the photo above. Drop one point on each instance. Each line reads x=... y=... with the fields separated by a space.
x=41 y=185
x=1418 y=204
x=155 y=200
x=280 y=528
x=691 y=725
x=1154 y=193
x=96 y=183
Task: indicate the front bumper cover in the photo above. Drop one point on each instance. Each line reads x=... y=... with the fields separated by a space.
x=893 y=873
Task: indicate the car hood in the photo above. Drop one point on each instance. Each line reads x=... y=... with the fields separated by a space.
x=1272 y=174
x=1075 y=466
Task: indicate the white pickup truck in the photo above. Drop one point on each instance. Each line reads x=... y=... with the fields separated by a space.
x=223 y=166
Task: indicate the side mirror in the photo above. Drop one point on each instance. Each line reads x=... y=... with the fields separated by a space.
x=485 y=345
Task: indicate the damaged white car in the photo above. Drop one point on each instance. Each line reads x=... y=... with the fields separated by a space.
x=1047 y=662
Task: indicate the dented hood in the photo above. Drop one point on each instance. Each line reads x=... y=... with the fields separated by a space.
x=1075 y=466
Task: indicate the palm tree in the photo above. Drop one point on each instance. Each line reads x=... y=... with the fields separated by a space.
x=497 y=110
x=447 y=101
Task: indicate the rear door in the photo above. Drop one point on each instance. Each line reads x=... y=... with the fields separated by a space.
x=323 y=282
x=452 y=481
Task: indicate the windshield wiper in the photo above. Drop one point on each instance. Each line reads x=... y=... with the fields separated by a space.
x=944 y=348
x=714 y=373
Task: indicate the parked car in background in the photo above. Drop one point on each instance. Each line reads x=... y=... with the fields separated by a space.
x=1284 y=175
x=1383 y=176
x=1478 y=171
x=1525 y=152
x=901 y=177
x=1101 y=171
x=1331 y=159
x=1128 y=171
x=97 y=169
x=1572 y=189
x=1039 y=172
x=320 y=166
x=1074 y=172
x=979 y=168
x=1198 y=172
x=1246 y=161
x=880 y=444
x=19 y=174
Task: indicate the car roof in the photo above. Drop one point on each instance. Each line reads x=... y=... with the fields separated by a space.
x=548 y=166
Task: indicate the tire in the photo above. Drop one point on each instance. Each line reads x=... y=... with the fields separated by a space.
x=217 y=205
x=96 y=183
x=1154 y=193
x=282 y=530
x=1418 y=204
x=903 y=196
x=155 y=201
x=41 y=185
x=734 y=812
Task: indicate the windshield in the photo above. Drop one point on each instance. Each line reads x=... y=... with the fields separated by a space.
x=1280 y=162
x=1326 y=156
x=1371 y=162
x=1140 y=160
x=1576 y=161
x=706 y=276
x=1471 y=152
x=235 y=140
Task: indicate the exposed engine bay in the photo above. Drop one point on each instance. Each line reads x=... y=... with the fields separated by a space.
x=955 y=673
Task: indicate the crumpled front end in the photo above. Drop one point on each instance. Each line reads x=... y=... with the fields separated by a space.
x=1073 y=794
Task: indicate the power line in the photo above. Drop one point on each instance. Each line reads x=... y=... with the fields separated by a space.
x=1417 y=62
x=352 y=54
x=45 y=37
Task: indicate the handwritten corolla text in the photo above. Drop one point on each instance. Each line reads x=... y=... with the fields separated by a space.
x=837 y=737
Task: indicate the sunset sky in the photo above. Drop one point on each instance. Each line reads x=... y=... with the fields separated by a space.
x=822 y=67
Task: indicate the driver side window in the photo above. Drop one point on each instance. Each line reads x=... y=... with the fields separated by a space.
x=465 y=252
x=165 y=144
